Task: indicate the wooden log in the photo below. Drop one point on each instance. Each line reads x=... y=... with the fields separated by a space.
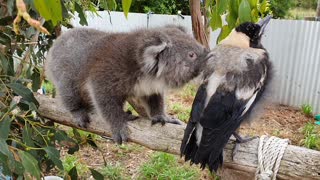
x=297 y=163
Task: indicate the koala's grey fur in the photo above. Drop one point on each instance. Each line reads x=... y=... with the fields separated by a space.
x=97 y=70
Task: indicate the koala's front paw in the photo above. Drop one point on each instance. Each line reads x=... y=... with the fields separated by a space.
x=131 y=117
x=164 y=119
x=120 y=135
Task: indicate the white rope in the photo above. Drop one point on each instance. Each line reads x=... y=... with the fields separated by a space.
x=270 y=153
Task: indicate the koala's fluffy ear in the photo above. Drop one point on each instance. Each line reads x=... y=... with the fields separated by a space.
x=154 y=44
x=179 y=27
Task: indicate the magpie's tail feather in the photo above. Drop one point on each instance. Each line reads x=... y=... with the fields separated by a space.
x=189 y=146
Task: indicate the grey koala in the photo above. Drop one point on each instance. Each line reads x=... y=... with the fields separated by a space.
x=95 y=70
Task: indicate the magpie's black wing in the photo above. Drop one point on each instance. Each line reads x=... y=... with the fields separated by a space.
x=226 y=110
x=188 y=145
x=220 y=119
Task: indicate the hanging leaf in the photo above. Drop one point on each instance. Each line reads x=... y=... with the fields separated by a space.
x=215 y=21
x=108 y=4
x=234 y=6
x=83 y=19
x=225 y=31
x=54 y=155
x=4 y=165
x=50 y=10
x=24 y=92
x=5 y=127
x=36 y=82
x=244 y=11
x=96 y=175
x=253 y=3
x=30 y=164
x=222 y=6
x=126 y=7
x=4 y=148
x=64 y=140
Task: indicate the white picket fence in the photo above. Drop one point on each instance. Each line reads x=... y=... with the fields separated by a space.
x=294 y=47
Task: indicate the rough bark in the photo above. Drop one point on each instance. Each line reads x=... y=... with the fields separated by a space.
x=197 y=23
x=318 y=11
x=297 y=163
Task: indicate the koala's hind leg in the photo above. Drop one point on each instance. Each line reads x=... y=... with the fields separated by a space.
x=72 y=100
x=154 y=105
x=110 y=108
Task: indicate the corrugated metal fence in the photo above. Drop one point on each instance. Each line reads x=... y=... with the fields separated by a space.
x=294 y=47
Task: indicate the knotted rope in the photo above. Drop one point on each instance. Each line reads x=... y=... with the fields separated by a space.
x=270 y=153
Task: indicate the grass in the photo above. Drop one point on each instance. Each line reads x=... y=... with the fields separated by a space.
x=50 y=89
x=181 y=111
x=113 y=172
x=166 y=166
x=311 y=136
x=307 y=110
x=69 y=161
x=189 y=91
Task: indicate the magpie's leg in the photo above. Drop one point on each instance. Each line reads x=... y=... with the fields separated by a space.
x=240 y=140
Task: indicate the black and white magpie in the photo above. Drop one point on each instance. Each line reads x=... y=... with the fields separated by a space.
x=236 y=77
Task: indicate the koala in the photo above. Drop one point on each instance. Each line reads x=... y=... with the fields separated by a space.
x=98 y=71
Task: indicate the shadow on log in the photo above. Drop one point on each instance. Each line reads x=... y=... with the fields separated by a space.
x=297 y=162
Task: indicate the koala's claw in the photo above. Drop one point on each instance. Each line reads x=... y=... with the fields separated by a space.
x=164 y=119
x=120 y=136
x=175 y=121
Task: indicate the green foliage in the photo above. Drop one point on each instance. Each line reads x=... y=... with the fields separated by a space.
x=50 y=10
x=307 y=110
x=280 y=8
x=27 y=142
x=165 y=166
x=236 y=11
x=311 y=136
x=160 y=6
x=113 y=172
x=306 y=4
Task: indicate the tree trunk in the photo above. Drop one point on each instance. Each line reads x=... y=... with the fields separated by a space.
x=297 y=162
x=318 y=11
x=198 y=27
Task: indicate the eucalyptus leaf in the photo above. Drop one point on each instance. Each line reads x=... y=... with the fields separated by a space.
x=5 y=127
x=36 y=82
x=215 y=21
x=96 y=175
x=225 y=31
x=73 y=174
x=83 y=19
x=222 y=6
x=54 y=155
x=24 y=92
x=244 y=11
x=126 y=7
x=30 y=164
x=50 y=10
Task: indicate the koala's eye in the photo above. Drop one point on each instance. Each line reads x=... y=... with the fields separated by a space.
x=192 y=55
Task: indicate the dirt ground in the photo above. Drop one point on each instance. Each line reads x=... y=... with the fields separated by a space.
x=278 y=120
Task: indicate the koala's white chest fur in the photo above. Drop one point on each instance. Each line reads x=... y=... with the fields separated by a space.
x=147 y=86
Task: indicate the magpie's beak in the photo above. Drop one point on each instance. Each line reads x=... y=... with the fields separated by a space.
x=263 y=23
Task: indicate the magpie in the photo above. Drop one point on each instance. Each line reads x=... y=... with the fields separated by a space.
x=235 y=78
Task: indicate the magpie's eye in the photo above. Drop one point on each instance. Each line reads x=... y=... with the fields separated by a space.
x=192 y=55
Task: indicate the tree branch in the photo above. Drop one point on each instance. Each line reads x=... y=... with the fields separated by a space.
x=297 y=163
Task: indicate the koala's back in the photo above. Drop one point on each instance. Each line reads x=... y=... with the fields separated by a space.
x=69 y=54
